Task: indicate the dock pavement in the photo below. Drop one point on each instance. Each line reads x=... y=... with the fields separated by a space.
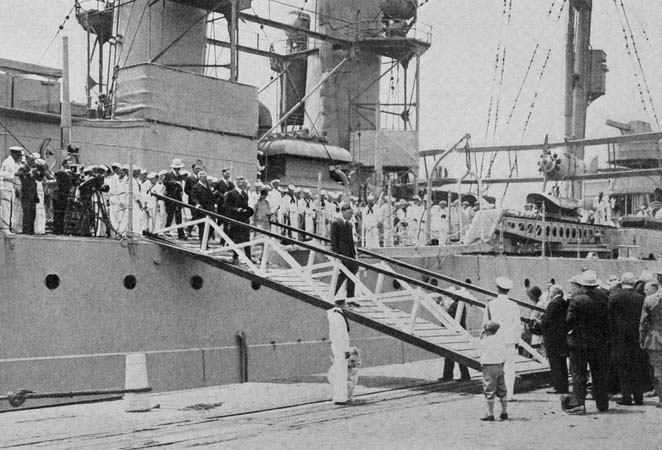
x=401 y=406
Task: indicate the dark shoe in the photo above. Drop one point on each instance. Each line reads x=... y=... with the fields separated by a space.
x=503 y=416
x=624 y=402
x=639 y=402
x=488 y=419
x=603 y=409
x=446 y=379
x=343 y=403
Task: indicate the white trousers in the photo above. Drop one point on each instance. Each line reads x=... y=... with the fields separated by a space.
x=509 y=369
x=338 y=378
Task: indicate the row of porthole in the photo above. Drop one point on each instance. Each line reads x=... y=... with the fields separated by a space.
x=568 y=231
x=52 y=281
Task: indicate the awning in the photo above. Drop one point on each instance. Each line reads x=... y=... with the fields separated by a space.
x=305 y=149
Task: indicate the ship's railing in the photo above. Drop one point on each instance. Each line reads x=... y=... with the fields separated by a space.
x=270 y=238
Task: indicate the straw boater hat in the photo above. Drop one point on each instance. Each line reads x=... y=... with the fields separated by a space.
x=177 y=163
x=588 y=278
x=16 y=149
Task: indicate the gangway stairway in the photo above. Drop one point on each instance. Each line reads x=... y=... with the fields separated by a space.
x=411 y=314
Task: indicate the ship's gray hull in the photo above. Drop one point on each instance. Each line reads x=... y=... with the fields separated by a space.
x=76 y=336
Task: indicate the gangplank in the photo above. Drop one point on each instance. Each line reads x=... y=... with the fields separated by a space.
x=410 y=313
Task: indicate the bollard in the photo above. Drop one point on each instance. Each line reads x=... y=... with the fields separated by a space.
x=136 y=378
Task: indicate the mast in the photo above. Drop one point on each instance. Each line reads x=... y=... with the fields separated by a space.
x=65 y=110
x=578 y=79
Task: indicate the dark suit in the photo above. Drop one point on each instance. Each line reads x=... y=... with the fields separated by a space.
x=589 y=343
x=554 y=334
x=202 y=195
x=221 y=187
x=174 y=190
x=630 y=361
x=342 y=242
x=29 y=198
x=235 y=206
x=189 y=182
x=449 y=364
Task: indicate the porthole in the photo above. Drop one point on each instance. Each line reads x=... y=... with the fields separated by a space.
x=396 y=284
x=196 y=282
x=52 y=281
x=255 y=285
x=527 y=283
x=129 y=281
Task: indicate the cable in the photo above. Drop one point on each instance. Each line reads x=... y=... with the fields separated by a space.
x=60 y=28
x=634 y=68
x=641 y=68
x=526 y=75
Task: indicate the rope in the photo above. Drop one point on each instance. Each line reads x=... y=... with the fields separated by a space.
x=526 y=75
x=641 y=68
x=19 y=397
x=535 y=95
x=59 y=29
x=642 y=99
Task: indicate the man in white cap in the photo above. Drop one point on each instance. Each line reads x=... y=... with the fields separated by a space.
x=308 y=208
x=275 y=200
x=370 y=218
x=10 y=188
x=506 y=313
x=415 y=216
x=149 y=212
x=588 y=342
x=339 y=338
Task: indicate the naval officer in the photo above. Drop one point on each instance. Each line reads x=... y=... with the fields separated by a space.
x=506 y=313
x=339 y=337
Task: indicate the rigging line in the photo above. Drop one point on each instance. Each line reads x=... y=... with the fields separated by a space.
x=15 y=137
x=60 y=28
x=563 y=5
x=140 y=21
x=510 y=10
x=312 y=124
x=498 y=104
x=642 y=98
x=521 y=87
x=496 y=71
x=535 y=95
x=641 y=68
x=128 y=22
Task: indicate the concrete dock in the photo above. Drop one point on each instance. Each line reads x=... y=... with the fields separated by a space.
x=399 y=407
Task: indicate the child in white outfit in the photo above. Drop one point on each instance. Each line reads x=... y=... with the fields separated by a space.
x=492 y=356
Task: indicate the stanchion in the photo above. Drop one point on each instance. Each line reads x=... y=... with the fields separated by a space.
x=136 y=378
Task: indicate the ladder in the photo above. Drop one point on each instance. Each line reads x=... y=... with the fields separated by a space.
x=411 y=313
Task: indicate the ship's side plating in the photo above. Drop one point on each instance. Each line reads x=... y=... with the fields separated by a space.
x=70 y=316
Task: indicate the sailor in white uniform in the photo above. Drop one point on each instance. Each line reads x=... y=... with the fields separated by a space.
x=506 y=313
x=339 y=337
x=9 y=188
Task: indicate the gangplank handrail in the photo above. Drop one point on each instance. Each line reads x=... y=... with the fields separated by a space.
x=413 y=268
x=371 y=267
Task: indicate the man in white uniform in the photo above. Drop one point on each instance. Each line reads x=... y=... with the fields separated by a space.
x=370 y=221
x=339 y=337
x=9 y=188
x=506 y=313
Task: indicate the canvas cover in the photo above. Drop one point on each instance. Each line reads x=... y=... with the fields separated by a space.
x=172 y=96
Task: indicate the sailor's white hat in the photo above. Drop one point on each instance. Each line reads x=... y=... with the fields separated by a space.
x=504 y=283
